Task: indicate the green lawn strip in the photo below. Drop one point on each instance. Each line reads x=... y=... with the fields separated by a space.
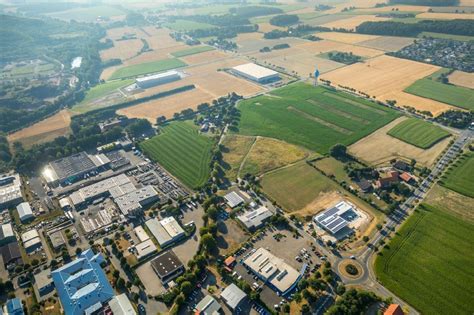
x=186 y=25
x=147 y=67
x=460 y=176
x=419 y=133
x=182 y=151
x=428 y=262
x=446 y=36
x=192 y=51
x=450 y=94
x=296 y=186
x=301 y=115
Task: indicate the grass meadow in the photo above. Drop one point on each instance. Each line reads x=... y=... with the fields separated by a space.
x=99 y=91
x=147 y=67
x=182 y=151
x=429 y=263
x=192 y=51
x=431 y=88
x=295 y=186
x=419 y=133
x=460 y=176
x=313 y=117
x=185 y=25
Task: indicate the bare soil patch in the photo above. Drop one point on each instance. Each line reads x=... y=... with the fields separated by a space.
x=347 y=38
x=379 y=148
x=388 y=43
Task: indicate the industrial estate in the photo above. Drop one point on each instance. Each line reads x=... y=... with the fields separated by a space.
x=237 y=157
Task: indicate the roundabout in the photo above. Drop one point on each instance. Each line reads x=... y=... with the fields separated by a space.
x=350 y=269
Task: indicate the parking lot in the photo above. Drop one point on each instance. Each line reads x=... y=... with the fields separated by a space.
x=150 y=280
x=187 y=249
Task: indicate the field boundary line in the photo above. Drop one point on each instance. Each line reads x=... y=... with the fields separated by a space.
x=319 y=120
x=352 y=102
x=338 y=111
x=241 y=166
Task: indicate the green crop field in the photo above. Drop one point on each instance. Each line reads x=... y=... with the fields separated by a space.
x=460 y=176
x=431 y=88
x=147 y=67
x=446 y=36
x=182 y=151
x=313 y=117
x=429 y=263
x=296 y=186
x=419 y=133
x=185 y=25
x=192 y=51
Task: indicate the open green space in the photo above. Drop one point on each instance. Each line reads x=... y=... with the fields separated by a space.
x=99 y=91
x=296 y=186
x=186 y=25
x=418 y=132
x=446 y=36
x=192 y=51
x=460 y=176
x=429 y=262
x=88 y=14
x=312 y=117
x=181 y=150
x=147 y=67
x=431 y=88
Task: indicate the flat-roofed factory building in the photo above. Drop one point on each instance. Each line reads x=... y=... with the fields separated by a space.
x=256 y=73
x=336 y=219
x=10 y=190
x=166 y=231
x=157 y=79
x=167 y=266
x=274 y=271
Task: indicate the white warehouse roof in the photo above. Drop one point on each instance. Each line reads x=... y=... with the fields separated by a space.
x=256 y=71
x=232 y=296
x=157 y=76
x=233 y=199
x=24 y=211
x=165 y=231
x=255 y=218
x=120 y=305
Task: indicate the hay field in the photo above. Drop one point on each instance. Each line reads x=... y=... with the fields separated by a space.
x=444 y=198
x=43 y=131
x=167 y=106
x=248 y=36
x=385 y=78
x=347 y=38
x=324 y=46
x=445 y=16
x=354 y=21
x=235 y=149
x=379 y=148
x=213 y=55
x=461 y=78
x=388 y=43
x=123 y=50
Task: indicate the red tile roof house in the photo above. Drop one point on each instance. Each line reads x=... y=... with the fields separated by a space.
x=394 y=309
x=387 y=181
x=406 y=177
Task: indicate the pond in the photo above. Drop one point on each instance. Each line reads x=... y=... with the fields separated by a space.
x=76 y=63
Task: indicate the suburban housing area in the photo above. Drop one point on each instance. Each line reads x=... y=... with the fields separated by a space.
x=237 y=157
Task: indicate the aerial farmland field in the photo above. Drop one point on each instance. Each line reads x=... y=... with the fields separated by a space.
x=312 y=117
x=192 y=51
x=185 y=25
x=459 y=177
x=429 y=261
x=181 y=139
x=148 y=67
x=418 y=133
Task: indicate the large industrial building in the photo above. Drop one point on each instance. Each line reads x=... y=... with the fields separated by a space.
x=31 y=240
x=274 y=271
x=167 y=266
x=82 y=285
x=336 y=219
x=24 y=212
x=134 y=201
x=233 y=199
x=157 y=79
x=255 y=218
x=10 y=190
x=166 y=231
x=233 y=296
x=256 y=73
x=74 y=168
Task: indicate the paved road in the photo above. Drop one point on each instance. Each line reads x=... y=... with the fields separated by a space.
x=366 y=256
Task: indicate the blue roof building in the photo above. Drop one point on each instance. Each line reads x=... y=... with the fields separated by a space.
x=82 y=284
x=14 y=307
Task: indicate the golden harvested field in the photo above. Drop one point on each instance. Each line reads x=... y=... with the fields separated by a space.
x=401 y=8
x=235 y=149
x=354 y=21
x=44 y=131
x=385 y=78
x=267 y=27
x=348 y=38
x=206 y=56
x=248 y=36
x=268 y=154
x=446 y=199
x=328 y=45
x=354 y=3
x=462 y=79
x=388 y=43
x=445 y=16
x=379 y=148
x=124 y=49
x=167 y=106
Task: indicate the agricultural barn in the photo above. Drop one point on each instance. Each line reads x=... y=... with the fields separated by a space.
x=74 y=168
x=274 y=271
x=256 y=218
x=157 y=79
x=24 y=212
x=167 y=266
x=256 y=73
x=166 y=231
x=10 y=192
x=336 y=219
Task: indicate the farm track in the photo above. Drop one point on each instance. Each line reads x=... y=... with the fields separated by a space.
x=319 y=120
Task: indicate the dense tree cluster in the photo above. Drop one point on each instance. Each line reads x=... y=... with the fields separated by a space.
x=284 y=20
x=390 y=28
x=223 y=32
x=297 y=31
x=353 y=302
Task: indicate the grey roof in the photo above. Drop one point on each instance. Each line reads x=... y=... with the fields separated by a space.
x=72 y=165
x=24 y=211
x=57 y=239
x=255 y=218
x=233 y=295
x=6 y=231
x=233 y=199
x=10 y=189
x=43 y=278
x=10 y=252
x=208 y=306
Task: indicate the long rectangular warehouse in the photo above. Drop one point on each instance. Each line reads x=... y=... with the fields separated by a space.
x=256 y=73
x=157 y=79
